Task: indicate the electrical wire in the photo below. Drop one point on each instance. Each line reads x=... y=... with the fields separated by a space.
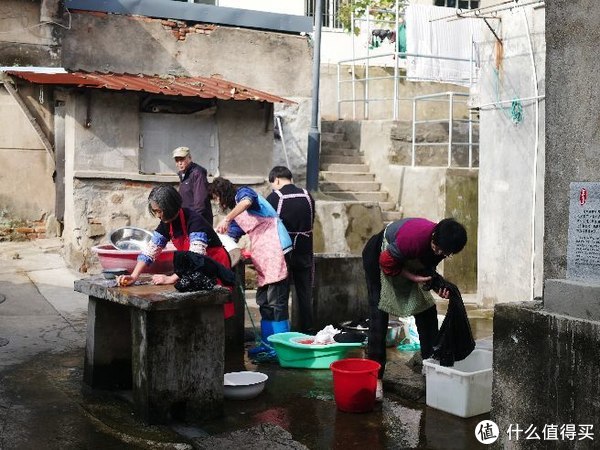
x=45 y=22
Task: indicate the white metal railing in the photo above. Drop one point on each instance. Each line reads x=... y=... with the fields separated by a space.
x=397 y=77
x=450 y=97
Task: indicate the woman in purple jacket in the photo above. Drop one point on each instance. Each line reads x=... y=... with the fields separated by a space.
x=396 y=261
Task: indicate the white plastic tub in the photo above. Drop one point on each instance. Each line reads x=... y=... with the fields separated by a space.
x=464 y=390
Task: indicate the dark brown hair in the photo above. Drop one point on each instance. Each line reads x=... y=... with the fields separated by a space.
x=224 y=190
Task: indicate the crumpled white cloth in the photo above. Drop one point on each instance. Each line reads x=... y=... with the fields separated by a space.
x=325 y=336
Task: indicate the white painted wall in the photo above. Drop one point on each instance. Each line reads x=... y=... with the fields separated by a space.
x=510 y=174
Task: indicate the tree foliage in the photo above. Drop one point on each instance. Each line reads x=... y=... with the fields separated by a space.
x=380 y=10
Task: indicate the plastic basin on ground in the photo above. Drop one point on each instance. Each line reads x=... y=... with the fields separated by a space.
x=243 y=385
x=465 y=389
x=291 y=352
x=111 y=258
x=354 y=384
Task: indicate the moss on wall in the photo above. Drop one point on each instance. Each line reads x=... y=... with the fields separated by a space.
x=461 y=203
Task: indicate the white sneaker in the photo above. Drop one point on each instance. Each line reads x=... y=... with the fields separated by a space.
x=379 y=391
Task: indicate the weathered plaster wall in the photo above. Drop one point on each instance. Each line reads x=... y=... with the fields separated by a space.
x=572 y=81
x=345 y=227
x=512 y=160
x=273 y=62
x=27 y=38
x=26 y=186
x=111 y=142
x=545 y=372
x=245 y=138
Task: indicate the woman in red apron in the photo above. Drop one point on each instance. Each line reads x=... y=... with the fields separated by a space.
x=186 y=229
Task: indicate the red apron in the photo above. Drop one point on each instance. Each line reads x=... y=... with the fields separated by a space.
x=219 y=254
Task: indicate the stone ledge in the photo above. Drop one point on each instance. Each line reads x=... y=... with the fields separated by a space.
x=572 y=298
x=161 y=178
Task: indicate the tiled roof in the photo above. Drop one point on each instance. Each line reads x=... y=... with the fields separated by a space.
x=203 y=87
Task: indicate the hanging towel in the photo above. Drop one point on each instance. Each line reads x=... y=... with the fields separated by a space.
x=439 y=38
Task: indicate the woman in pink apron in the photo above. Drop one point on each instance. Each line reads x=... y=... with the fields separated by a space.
x=251 y=214
x=186 y=229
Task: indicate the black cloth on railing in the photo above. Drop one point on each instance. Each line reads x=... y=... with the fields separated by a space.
x=455 y=339
x=199 y=272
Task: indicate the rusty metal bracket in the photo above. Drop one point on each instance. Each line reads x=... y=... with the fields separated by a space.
x=492 y=30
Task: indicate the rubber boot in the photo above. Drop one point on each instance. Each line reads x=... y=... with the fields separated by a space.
x=266 y=330
x=282 y=326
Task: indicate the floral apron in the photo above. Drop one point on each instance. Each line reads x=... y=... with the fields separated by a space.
x=267 y=256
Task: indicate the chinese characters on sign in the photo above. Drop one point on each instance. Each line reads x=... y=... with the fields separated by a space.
x=583 y=249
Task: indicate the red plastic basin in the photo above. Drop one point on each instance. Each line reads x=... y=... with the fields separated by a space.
x=111 y=258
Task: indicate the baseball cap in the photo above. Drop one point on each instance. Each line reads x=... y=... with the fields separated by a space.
x=181 y=152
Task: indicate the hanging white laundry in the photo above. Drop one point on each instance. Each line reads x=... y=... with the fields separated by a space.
x=445 y=38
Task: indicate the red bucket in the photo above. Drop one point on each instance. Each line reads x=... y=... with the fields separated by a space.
x=354 y=384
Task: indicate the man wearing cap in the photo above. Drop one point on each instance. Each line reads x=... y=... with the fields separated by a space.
x=194 y=184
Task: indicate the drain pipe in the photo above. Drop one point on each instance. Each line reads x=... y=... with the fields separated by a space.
x=280 y=126
x=536 y=151
x=314 y=137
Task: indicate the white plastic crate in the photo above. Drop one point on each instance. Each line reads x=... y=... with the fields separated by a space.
x=464 y=390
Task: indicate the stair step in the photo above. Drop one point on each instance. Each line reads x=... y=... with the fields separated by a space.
x=387 y=206
x=335 y=159
x=331 y=151
x=390 y=216
x=347 y=176
x=337 y=167
x=332 y=137
x=333 y=145
x=362 y=196
x=351 y=186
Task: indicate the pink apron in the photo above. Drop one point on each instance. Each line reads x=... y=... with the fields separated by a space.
x=267 y=256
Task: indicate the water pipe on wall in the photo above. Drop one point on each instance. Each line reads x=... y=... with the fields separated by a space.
x=536 y=149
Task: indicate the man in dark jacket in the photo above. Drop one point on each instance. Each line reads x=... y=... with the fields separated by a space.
x=194 y=184
x=296 y=208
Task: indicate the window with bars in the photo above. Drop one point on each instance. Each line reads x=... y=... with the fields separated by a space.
x=462 y=4
x=329 y=12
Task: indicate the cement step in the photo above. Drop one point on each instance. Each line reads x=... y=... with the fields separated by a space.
x=337 y=167
x=387 y=206
x=334 y=159
x=351 y=186
x=362 y=196
x=332 y=145
x=347 y=176
x=330 y=151
x=332 y=137
x=390 y=216
x=336 y=126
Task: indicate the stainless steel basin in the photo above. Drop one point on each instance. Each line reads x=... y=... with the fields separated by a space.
x=130 y=238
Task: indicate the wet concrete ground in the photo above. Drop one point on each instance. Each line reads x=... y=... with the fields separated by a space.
x=44 y=404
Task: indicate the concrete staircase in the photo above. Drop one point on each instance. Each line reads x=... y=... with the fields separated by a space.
x=345 y=176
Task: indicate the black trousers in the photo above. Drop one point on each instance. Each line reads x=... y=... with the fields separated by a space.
x=426 y=321
x=272 y=300
x=300 y=267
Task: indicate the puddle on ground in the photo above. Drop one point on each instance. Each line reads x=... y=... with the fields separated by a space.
x=50 y=410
